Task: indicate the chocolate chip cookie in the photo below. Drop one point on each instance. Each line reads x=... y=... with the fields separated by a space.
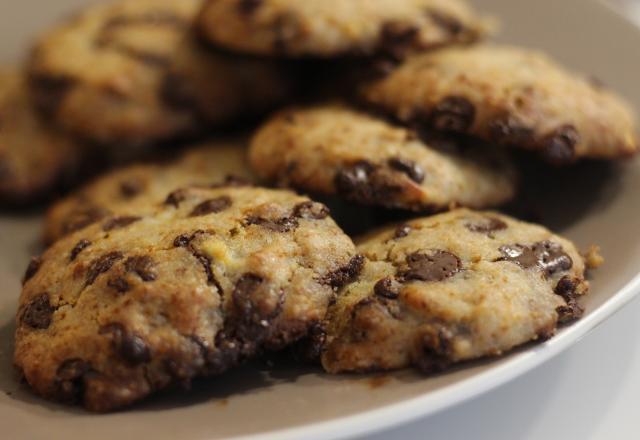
x=132 y=72
x=35 y=159
x=140 y=188
x=331 y=28
x=452 y=287
x=331 y=149
x=510 y=96
x=129 y=306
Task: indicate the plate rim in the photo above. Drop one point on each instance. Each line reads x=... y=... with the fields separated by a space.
x=395 y=414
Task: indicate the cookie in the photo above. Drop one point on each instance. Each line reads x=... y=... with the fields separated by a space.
x=132 y=72
x=331 y=28
x=510 y=96
x=130 y=306
x=140 y=188
x=331 y=149
x=35 y=159
x=453 y=287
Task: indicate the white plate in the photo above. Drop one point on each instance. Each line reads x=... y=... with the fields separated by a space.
x=304 y=403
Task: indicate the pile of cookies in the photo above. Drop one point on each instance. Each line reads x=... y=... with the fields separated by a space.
x=163 y=271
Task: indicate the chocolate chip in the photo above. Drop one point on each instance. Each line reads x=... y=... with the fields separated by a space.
x=546 y=255
x=284 y=224
x=449 y=24
x=453 y=113
x=232 y=181
x=211 y=206
x=101 y=265
x=176 y=197
x=119 y=222
x=507 y=130
x=130 y=346
x=83 y=218
x=70 y=379
x=402 y=231
x=50 y=90
x=409 y=167
x=310 y=211
x=387 y=288
x=37 y=314
x=182 y=240
x=436 y=265
x=367 y=184
x=487 y=225
x=119 y=284
x=346 y=274
x=396 y=37
x=437 y=346
x=248 y=7
x=566 y=288
x=186 y=242
x=559 y=146
x=32 y=269
x=130 y=188
x=255 y=305
x=143 y=266
x=79 y=247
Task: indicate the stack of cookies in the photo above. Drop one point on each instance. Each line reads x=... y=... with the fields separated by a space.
x=166 y=270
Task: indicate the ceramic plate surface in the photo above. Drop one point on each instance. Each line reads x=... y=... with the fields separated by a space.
x=594 y=204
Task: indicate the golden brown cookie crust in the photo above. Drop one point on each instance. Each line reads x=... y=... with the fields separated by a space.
x=452 y=287
x=510 y=96
x=331 y=149
x=132 y=305
x=330 y=28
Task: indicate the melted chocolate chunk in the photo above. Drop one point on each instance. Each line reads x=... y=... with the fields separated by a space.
x=130 y=188
x=32 y=269
x=311 y=211
x=546 y=255
x=130 y=346
x=566 y=288
x=50 y=90
x=437 y=345
x=435 y=266
x=248 y=7
x=119 y=284
x=79 y=247
x=284 y=224
x=446 y=22
x=211 y=206
x=232 y=181
x=409 y=167
x=70 y=379
x=507 y=130
x=143 y=266
x=255 y=305
x=176 y=197
x=402 y=231
x=346 y=274
x=387 y=288
x=487 y=226
x=119 y=222
x=454 y=113
x=83 y=218
x=204 y=260
x=364 y=183
x=397 y=37
x=559 y=147
x=37 y=314
x=101 y=265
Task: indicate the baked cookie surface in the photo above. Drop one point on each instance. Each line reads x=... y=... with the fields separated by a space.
x=329 y=28
x=449 y=288
x=510 y=96
x=331 y=149
x=141 y=188
x=133 y=305
x=34 y=158
x=132 y=72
